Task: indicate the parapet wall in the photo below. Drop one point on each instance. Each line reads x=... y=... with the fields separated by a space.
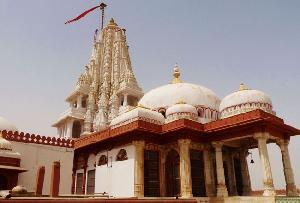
x=37 y=139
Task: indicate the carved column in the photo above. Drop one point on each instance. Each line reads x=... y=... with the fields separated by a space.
x=73 y=181
x=265 y=163
x=291 y=189
x=84 y=179
x=207 y=172
x=125 y=102
x=69 y=128
x=139 y=168
x=185 y=168
x=79 y=102
x=245 y=172
x=221 y=187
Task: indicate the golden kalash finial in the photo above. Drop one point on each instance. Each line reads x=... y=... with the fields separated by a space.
x=180 y=102
x=112 y=22
x=243 y=87
x=176 y=74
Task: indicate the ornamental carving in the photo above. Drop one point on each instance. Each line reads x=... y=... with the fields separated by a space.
x=122 y=155
x=102 y=160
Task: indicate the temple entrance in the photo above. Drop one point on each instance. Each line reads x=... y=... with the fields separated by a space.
x=151 y=174
x=238 y=177
x=197 y=170
x=3 y=182
x=76 y=129
x=172 y=174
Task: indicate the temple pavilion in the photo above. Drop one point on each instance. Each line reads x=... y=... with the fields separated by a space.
x=177 y=140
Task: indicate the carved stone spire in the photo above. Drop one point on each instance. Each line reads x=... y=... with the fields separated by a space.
x=108 y=86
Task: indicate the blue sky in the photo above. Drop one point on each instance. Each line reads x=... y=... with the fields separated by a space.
x=217 y=44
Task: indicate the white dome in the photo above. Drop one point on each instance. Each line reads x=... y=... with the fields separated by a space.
x=6 y=148
x=245 y=100
x=180 y=111
x=5 y=144
x=6 y=125
x=168 y=95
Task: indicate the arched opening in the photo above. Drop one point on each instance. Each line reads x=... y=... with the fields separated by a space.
x=200 y=113
x=3 y=182
x=172 y=174
x=162 y=111
x=76 y=129
x=84 y=102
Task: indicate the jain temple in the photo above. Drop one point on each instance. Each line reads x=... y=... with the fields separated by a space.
x=177 y=141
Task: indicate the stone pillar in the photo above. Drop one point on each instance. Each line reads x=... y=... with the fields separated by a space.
x=40 y=181
x=245 y=172
x=55 y=179
x=125 y=103
x=79 y=102
x=73 y=181
x=185 y=168
x=84 y=179
x=207 y=173
x=139 y=168
x=265 y=163
x=69 y=128
x=221 y=187
x=291 y=189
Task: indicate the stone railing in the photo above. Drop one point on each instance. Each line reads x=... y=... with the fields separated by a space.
x=37 y=139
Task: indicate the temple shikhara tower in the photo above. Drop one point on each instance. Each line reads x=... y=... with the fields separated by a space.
x=179 y=140
x=106 y=89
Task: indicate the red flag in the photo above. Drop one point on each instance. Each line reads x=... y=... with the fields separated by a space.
x=82 y=15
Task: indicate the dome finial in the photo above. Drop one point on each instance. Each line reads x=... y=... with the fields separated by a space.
x=243 y=87
x=112 y=22
x=176 y=74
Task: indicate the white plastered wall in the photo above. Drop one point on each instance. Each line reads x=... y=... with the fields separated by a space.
x=35 y=155
x=117 y=177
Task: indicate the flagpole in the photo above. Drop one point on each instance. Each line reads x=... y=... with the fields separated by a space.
x=102 y=7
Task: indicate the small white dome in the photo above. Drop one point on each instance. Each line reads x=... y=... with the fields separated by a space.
x=6 y=125
x=19 y=189
x=181 y=110
x=245 y=100
x=5 y=144
x=139 y=112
